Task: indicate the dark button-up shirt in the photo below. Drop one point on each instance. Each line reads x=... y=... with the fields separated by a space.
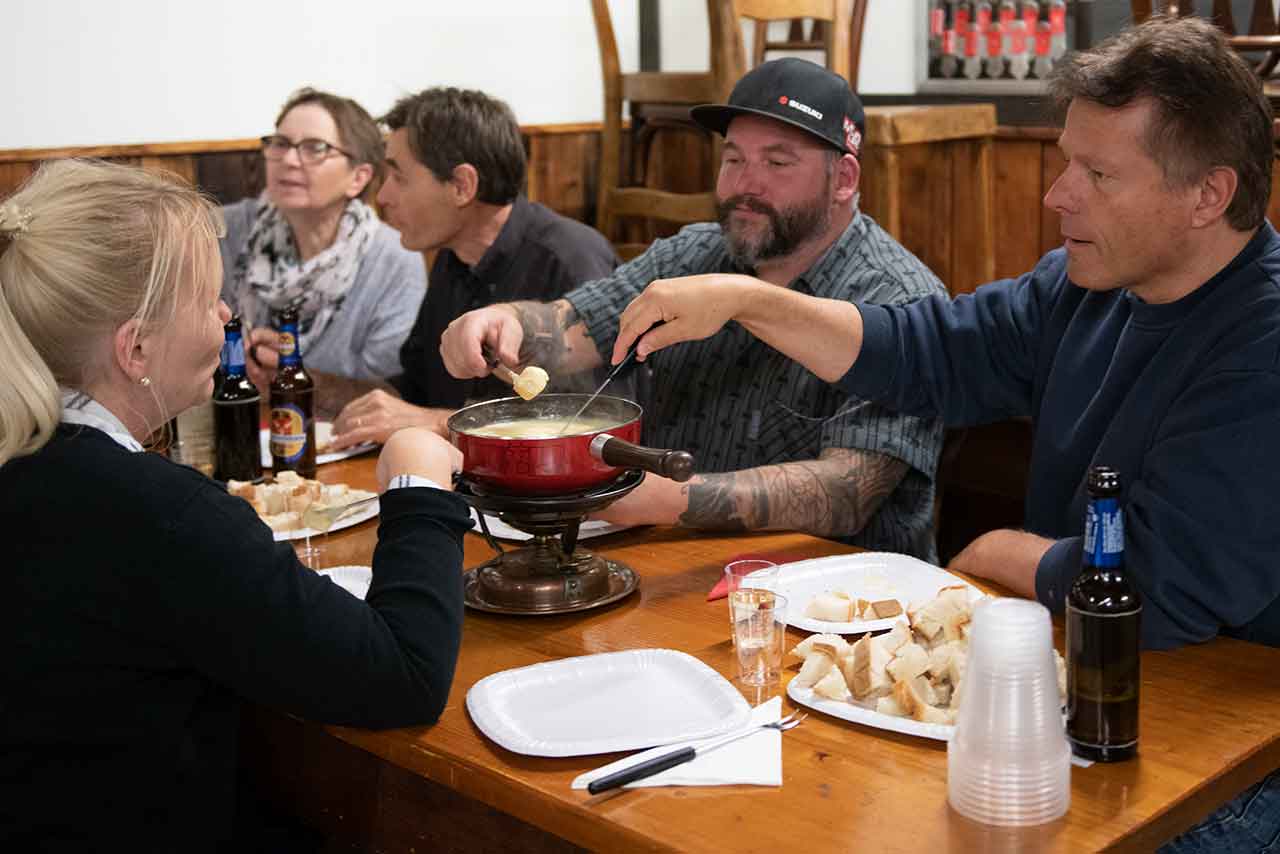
x=539 y=255
x=736 y=403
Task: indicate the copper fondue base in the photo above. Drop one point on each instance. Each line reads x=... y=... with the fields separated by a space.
x=551 y=575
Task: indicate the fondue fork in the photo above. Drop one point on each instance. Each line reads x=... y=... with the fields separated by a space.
x=529 y=383
x=321 y=517
x=685 y=754
x=631 y=351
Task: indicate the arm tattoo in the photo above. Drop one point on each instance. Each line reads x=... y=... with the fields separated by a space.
x=833 y=495
x=545 y=325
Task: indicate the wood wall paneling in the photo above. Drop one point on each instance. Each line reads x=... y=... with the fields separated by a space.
x=1052 y=163
x=973 y=241
x=13 y=174
x=561 y=173
x=1018 y=211
x=926 y=193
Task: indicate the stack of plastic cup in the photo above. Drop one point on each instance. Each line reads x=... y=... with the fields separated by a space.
x=1009 y=762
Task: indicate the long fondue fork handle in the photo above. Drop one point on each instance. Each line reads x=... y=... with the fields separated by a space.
x=631 y=352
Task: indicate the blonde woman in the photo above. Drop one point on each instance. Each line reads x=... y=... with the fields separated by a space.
x=309 y=242
x=141 y=601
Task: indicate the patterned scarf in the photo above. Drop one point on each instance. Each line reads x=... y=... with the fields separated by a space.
x=268 y=275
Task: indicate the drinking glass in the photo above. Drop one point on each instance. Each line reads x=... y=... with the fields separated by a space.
x=759 y=634
x=760 y=574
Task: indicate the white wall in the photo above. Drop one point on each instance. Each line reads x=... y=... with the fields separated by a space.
x=892 y=38
x=88 y=72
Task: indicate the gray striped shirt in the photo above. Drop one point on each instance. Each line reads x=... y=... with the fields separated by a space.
x=736 y=403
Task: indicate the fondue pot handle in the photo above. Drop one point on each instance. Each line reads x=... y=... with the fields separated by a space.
x=677 y=465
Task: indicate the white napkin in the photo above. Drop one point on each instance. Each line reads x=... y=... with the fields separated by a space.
x=503 y=531
x=755 y=760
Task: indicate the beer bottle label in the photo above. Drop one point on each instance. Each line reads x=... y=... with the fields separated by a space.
x=233 y=355
x=1104 y=533
x=289 y=347
x=288 y=432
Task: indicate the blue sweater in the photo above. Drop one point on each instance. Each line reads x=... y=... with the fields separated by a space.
x=1182 y=398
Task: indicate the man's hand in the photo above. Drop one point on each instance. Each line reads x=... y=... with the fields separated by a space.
x=262 y=357
x=460 y=345
x=415 y=450
x=692 y=308
x=656 y=501
x=1009 y=558
x=375 y=416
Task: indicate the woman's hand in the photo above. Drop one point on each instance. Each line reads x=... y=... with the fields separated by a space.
x=373 y=417
x=416 y=450
x=262 y=357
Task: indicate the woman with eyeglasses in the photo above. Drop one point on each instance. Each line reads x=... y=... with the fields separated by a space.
x=309 y=242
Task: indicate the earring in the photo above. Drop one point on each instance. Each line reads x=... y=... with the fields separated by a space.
x=145 y=382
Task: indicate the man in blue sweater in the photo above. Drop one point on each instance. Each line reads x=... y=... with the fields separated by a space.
x=1149 y=342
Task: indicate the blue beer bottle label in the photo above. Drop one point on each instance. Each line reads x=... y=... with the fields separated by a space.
x=233 y=354
x=1104 y=533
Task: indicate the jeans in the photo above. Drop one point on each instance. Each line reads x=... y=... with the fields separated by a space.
x=1249 y=822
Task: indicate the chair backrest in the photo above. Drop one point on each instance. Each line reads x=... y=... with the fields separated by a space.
x=1261 y=41
x=665 y=88
x=837 y=29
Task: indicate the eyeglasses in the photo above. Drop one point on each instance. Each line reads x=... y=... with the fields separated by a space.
x=310 y=151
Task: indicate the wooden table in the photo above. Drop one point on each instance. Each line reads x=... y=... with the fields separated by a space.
x=1209 y=729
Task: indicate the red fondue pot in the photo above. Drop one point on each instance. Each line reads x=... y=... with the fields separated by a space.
x=588 y=456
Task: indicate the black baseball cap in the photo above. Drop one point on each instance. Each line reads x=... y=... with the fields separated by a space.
x=797 y=92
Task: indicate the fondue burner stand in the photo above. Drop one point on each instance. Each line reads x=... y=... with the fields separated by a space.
x=551 y=575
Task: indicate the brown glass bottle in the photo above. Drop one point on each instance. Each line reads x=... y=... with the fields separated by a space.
x=292 y=397
x=235 y=414
x=1104 y=612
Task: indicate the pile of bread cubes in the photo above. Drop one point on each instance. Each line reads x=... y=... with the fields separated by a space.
x=282 y=504
x=915 y=670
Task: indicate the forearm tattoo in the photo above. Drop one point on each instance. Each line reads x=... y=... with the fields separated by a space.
x=545 y=324
x=834 y=495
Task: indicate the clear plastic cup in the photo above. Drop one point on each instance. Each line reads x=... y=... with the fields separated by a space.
x=759 y=634
x=1009 y=762
x=760 y=574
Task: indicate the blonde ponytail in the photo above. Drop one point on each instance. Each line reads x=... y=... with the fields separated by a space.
x=84 y=247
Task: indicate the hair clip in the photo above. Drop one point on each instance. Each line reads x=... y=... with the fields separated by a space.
x=13 y=220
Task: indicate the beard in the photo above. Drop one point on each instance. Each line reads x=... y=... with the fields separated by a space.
x=786 y=230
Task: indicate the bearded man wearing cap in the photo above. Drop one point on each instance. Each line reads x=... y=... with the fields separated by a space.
x=774 y=446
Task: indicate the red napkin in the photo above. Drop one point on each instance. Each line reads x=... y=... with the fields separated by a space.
x=721 y=590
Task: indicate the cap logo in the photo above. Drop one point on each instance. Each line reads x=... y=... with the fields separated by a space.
x=804 y=108
x=852 y=136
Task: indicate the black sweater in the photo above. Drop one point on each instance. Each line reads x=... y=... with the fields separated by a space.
x=141 y=602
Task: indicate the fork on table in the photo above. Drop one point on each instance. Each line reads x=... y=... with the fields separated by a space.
x=685 y=754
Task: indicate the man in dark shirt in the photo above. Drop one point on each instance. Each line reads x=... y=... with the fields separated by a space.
x=456 y=165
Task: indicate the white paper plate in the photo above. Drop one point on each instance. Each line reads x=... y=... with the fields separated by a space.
x=870 y=575
x=366 y=512
x=605 y=703
x=324 y=434
x=867 y=717
x=503 y=531
x=353 y=579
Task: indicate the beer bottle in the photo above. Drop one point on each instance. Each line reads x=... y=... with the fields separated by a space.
x=293 y=428
x=237 y=455
x=1103 y=618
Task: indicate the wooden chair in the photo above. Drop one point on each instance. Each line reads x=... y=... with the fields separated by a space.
x=1261 y=41
x=837 y=30
x=658 y=100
